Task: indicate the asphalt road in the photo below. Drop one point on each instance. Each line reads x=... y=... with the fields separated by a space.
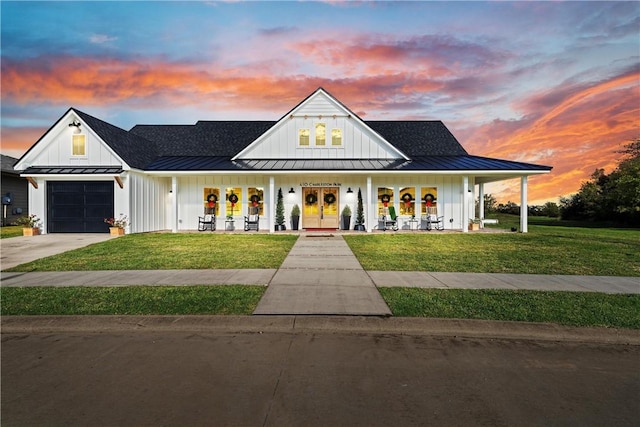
x=313 y=379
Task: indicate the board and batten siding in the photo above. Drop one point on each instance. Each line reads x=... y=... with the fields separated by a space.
x=146 y=204
x=358 y=141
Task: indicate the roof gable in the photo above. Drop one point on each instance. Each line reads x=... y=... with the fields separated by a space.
x=320 y=108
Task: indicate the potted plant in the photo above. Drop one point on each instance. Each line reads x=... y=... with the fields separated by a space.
x=29 y=225
x=295 y=217
x=360 y=214
x=280 y=212
x=346 y=217
x=116 y=225
x=474 y=224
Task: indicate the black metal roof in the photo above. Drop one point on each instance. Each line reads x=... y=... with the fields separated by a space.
x=73 y=170
x=424 y=163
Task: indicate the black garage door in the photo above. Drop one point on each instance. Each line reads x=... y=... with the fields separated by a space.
x=79 y=207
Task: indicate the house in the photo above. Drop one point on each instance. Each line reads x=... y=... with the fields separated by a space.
x=320 y=153
x=15 y=201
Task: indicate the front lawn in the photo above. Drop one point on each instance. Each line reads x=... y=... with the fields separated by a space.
x=168 y=251
x=131 y=300
x=544 y=250
x=567 y=308
x=10 y=231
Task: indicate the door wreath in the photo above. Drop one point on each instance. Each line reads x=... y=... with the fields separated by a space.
x=385 y=199
x=311 y=199
x=255 y=199
x=233 y=199
x=428 y=199
x=212 y=199
x=329 y=198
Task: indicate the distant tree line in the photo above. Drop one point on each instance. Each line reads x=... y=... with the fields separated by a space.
x=491 y=205
x=611 y=197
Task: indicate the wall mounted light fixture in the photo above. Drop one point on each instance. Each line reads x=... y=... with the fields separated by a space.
x=75 y=124
x=292 y=191
x=349 y=190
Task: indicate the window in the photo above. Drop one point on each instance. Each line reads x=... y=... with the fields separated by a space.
x=303 y=137
x=211 y=200
x=78 y=145
x=320 y=134
x=256 y=198
x=408 y=201
x=429 y=196
x=385 y=199
x=336 y=137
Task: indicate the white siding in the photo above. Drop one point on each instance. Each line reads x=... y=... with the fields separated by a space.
x=146 y=203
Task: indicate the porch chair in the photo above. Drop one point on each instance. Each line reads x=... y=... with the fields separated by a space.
x=390 y=220
x=432 y=220
x=252 y=219
x=207 y=221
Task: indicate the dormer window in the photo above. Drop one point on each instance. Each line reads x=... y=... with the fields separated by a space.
x=336 y=137
x=79 y=145
x=303 y=137
x=321 y=134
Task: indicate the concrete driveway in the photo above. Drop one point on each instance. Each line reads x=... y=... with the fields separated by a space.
x=18 y=250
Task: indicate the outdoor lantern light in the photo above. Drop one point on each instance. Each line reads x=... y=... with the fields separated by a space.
x=77 y=126
x=292 y=191
x=349 y=190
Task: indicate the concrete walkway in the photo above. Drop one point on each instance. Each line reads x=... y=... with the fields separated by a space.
x=322 y=276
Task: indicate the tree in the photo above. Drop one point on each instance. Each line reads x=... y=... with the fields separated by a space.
x=613 y=197
x=359 y=211
x=551 y=209
x=280 y=209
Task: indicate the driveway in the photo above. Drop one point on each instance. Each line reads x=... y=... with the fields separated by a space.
x=18 y=250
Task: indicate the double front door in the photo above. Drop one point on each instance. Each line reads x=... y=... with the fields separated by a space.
x=320 y=207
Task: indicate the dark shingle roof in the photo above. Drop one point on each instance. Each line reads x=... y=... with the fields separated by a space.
x=419 y=138
x=6 y=164
x=205 y=138
x=137 y=151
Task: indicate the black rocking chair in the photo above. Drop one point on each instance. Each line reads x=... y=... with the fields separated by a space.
x=252 y=220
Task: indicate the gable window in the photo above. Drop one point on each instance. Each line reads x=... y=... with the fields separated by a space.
x=78 y=145
x=321 y=134
x=303 y=137
x=336 y=137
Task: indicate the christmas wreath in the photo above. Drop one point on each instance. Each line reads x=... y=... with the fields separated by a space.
x=255 y=199
x=311 y=199
x=385 y=198
x=407 y=197
x=428 y=199
x=329 y=198
x=233 y=198
x=212 y=199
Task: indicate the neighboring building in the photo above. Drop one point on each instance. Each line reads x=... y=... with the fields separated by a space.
x=320 y=154
x=15 y=193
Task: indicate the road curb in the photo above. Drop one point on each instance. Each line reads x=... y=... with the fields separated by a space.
x=458 y=328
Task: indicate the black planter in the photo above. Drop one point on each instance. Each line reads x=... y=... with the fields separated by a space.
x=295 y=222
x=359 y=227
x=281 y=227
x=346 y=222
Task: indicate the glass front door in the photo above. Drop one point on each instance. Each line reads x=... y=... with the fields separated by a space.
x=320 y=207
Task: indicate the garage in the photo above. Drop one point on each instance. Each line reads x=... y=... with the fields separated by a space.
x=79 y=207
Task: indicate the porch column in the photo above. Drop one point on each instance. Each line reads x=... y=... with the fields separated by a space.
x=369 y=220
x=481 y=202
x=524 y=209
x=465 y=204
x=272 y=204
x=174 y=204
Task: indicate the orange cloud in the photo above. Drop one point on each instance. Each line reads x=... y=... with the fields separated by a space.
x=580 y=132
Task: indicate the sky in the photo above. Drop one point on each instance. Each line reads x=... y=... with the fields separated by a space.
x=551 y=83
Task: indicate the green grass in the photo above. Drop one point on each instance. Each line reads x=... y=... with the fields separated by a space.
x=567 y=308
x=544 y=250
x=159 y=251
x=10 y=231
x=131 y=300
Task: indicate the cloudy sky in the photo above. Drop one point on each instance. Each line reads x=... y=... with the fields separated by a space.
x=544 y=82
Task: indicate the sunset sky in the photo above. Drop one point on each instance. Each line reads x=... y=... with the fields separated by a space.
x=551 y=83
